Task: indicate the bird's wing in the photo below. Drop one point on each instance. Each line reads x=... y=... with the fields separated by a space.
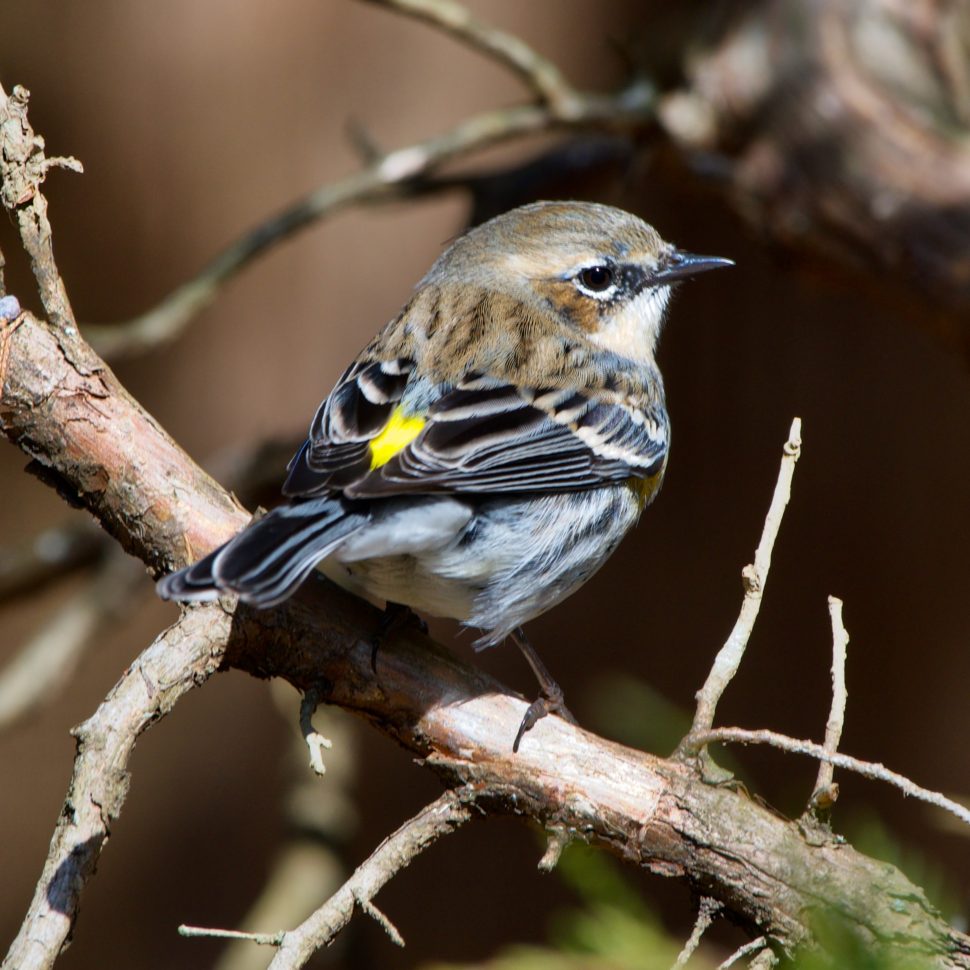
x=481 y=436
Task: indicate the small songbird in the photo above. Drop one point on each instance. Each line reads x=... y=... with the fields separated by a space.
x=487 y=451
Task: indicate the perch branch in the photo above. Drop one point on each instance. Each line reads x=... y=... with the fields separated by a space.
x=653 y=812
x=754 y=576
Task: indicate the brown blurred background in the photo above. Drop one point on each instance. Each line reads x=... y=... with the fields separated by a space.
x=195 y=121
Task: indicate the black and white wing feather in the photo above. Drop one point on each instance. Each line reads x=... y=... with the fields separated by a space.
x=481 y=436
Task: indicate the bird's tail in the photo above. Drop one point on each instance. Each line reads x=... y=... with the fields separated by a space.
x=269 y=559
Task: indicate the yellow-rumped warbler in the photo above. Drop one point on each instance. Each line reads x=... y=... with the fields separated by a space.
x=486 y=452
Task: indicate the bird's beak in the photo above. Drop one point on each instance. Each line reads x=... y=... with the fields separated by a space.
x=678 y=266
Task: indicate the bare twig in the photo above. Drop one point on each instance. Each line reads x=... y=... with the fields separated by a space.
x=395 y=853
x=540 y=74
x=754 y=576
x=826 y=791
x=23 y=166
x=753 y=946
x=706 y=911
x=867 y=769
x=395 y=174
x=261 y=939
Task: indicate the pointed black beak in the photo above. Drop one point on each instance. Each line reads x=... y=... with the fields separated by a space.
x=679 y=266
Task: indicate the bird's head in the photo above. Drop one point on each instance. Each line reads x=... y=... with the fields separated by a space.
x=594 y=268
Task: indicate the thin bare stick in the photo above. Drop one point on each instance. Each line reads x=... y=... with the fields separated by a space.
x=826 y=791
x=387 y=178
x=753 y=946
x=540 y=74
x=867 y=769
x=706 y=911
x=754 y=577
x=23 y=166
x=261 y=939
x=441 y=817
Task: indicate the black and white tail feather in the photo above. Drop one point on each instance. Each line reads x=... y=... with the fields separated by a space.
x=271 y=557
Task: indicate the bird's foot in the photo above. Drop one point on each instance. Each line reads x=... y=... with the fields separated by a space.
x=551 y=699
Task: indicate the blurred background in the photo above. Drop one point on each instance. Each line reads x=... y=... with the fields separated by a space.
x=827 y=155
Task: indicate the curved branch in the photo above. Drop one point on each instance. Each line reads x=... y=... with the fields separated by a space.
x=389 y=177
x=172 y=665
x=650 y=811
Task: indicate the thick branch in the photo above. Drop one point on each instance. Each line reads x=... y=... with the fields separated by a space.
x=653 y=812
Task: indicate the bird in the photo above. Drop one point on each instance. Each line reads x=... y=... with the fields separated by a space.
x=486 y=452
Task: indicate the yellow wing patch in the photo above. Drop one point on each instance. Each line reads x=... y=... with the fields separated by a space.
x=398 y=433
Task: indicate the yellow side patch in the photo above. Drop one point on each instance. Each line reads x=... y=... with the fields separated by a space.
x=645 y=489
x=398 y=433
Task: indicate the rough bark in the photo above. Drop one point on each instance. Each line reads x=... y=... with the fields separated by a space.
x=66 y=409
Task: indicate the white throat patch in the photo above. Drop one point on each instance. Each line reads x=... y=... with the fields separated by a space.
x=634 y=330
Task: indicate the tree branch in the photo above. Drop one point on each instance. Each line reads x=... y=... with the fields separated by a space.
x=653 y=812
x=175 y=663
x=396 y=174
x=23 y=166
x=395 y=853
x=62 y=405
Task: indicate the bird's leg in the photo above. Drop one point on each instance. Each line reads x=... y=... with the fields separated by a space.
x=394 y=618
x=550 y=700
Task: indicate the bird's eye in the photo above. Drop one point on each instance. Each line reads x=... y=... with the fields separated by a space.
x=596 y=279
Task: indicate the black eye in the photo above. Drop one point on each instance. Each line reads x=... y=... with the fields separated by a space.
x=597 y=279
